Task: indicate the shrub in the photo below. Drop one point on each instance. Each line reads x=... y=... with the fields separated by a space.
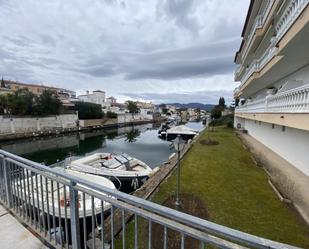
x=88 y=110
x=230 y=124
x=110 y=114
x=227 y=120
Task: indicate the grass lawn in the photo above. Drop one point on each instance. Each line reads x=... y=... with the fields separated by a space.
x=235 y=191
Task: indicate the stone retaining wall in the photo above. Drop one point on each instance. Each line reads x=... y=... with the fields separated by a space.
x=16 y=125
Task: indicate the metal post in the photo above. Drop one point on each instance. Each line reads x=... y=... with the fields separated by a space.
x=6 y=173
x=177 y=203
x=75 y=235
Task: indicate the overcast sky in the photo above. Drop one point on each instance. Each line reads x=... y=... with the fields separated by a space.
x=154 y=50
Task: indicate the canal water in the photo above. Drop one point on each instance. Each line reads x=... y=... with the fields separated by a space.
x=139 y=141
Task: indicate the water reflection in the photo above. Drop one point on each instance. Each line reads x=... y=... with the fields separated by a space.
x=139 y=141
x=133 y=135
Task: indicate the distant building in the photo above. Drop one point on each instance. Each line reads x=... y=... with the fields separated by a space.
x=118 y=108
x=111 y=100
x=38 y=89
x=96 y=97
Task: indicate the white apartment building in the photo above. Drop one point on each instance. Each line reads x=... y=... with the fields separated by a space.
x=273 y=93
x=96 y=97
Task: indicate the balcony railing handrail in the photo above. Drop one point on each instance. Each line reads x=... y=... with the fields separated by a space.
x=258 y=64
x=290 y=14
x=223 y=233
x=258 y=23
x=292 y=100
x=290 y=91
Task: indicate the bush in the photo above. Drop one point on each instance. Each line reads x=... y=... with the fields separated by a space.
x=216 y=112
x=110 y=114
x=230 y=124
x=227 y=120
x=88 y=110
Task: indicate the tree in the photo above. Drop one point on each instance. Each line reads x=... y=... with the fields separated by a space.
x=163 y=108
x=216 y=112
x=48 y=103
x=3 y=104
x=2 y=83
x=132 y=107
x=21 y=102
x=222 y=102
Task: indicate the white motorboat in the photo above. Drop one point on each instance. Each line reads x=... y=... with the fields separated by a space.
x=122 y=167
x=182 y=130
x=56 y=198
x=48 y=202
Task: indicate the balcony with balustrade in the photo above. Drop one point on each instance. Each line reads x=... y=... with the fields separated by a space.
x=259 y=23
x=291 y=101
x=289 y=108
x=290 y=13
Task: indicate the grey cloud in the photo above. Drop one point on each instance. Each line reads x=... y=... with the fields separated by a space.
x=95 y=70
x=180 y=11
x=185 y=69
x=206 y=97
x=135 y=44
x=48 y=40
x=99 y=71
x=194 y=61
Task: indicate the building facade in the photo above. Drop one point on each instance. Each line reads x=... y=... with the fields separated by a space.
x=272 y=99
x=96 y=97
x=36 y=89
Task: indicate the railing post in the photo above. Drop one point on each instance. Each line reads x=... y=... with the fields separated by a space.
x=266 y=104
x=7 y=186
x=75 y=233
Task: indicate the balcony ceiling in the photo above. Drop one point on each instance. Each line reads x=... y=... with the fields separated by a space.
x=296 y=56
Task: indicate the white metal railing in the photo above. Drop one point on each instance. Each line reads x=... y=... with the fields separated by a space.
x=290 y=14
x=49 y=200
x=292 y=101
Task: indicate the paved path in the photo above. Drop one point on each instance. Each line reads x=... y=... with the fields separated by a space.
x=14 y=235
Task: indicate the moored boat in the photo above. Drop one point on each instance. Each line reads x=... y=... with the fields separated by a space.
x=55 y=197
x=185 y=132
x=118 y=168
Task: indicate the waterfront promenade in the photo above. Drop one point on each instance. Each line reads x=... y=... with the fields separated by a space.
x=14 y=235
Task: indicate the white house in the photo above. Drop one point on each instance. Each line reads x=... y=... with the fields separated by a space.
x=96 y=97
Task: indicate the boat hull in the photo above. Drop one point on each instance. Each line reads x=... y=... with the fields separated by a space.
x=52 y=222
x=128 y=184
x=183 y=136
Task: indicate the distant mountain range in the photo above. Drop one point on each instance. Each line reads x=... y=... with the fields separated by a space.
x=206 y=107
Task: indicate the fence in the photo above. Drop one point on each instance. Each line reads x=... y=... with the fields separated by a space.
x=64 y=210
